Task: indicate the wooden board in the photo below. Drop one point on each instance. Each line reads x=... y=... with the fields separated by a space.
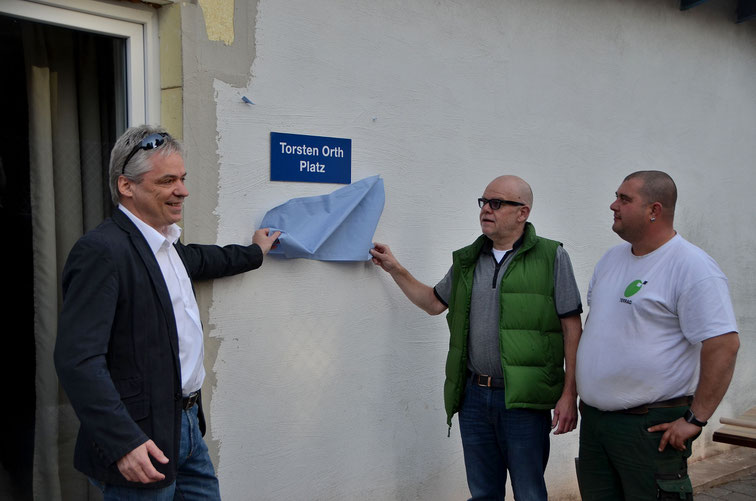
x=739 y=435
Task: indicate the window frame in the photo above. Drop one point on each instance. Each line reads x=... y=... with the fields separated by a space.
x=136 y=24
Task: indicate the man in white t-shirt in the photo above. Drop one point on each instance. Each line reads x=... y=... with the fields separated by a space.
x=657 y=353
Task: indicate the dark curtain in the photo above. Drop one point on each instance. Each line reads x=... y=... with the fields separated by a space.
x=67 y=109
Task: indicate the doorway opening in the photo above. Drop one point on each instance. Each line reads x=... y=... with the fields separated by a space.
x=64 y=96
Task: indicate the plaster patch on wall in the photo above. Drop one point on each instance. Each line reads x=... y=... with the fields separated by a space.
x=219 y=20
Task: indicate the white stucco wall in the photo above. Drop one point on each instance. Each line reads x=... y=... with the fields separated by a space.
x=328 y=383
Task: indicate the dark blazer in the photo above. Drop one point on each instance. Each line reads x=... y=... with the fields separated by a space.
x=117 y=352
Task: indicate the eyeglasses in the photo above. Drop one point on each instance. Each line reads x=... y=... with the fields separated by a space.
x=496 y=203
x=148 y=143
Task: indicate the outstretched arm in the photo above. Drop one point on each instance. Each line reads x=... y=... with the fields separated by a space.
x=420 y=294
x=204 y=262
x=717 y=365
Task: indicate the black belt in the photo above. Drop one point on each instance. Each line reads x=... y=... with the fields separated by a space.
x=672 y=402
x=487 y=381
x=189 y=401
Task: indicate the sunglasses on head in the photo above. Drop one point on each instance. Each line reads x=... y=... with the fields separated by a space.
x=148 y=143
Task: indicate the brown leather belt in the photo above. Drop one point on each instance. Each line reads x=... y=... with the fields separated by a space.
x=672 y=402
x=487 y=381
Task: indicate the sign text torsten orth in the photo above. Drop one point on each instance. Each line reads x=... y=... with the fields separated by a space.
x=313 y=159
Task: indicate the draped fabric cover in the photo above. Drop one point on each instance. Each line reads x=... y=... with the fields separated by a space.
x=335 y=227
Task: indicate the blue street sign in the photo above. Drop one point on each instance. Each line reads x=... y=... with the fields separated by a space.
x=310 y=159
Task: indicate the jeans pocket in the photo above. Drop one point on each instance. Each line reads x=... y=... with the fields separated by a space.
x=674 y=487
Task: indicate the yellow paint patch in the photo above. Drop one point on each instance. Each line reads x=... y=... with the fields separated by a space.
x=219 y=20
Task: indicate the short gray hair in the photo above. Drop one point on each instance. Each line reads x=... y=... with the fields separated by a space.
x=139 y=163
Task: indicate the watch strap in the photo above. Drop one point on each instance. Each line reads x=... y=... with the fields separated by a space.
x=691 y=418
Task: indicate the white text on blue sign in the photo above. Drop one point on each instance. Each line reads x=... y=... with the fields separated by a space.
x=296 y=157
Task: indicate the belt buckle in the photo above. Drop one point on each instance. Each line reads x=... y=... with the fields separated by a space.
x=487 y=383
x=191 y=400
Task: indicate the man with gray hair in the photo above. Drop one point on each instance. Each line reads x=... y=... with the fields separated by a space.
x=514 y=318
x=657 y=353
x=130 y=345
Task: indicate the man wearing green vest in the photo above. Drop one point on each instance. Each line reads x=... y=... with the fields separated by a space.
x=514 y=318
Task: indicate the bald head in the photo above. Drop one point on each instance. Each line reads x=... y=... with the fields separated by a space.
x=657 y=186
x=516 y=187
x=505 y=224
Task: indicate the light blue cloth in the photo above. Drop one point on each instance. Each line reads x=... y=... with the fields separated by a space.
x=334 y=227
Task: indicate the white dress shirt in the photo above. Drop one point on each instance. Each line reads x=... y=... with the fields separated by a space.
x=185 y=309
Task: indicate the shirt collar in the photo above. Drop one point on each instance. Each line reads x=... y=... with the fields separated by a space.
x=488 y=245
x=155 y=239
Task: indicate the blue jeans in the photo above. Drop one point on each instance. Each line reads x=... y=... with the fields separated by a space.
x=496 y=439
x=195 y=479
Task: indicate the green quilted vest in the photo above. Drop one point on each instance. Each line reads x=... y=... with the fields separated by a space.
x=530 y=333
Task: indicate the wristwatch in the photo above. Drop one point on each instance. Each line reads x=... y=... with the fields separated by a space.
x=691 y=418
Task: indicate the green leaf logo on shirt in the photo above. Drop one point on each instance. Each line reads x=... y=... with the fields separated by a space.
x=634 y=287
